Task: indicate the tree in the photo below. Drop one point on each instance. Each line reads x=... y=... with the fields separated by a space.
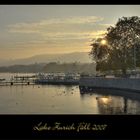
x=99 y=51
x=121 y=41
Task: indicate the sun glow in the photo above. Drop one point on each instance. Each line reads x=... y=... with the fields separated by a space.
x=103 y=42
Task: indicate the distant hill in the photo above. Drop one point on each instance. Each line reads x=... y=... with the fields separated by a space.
x=32 y=68
x=88 y=68
x=81 y=57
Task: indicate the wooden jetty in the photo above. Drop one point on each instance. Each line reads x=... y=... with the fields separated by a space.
x=18 y=80
x=9 y=83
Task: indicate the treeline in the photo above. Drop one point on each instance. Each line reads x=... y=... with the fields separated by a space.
x=70 y=67
x=51 y=67
x=32 y=68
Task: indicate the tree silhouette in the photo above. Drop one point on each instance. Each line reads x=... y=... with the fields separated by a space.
x=99 y=51
x=121 y=41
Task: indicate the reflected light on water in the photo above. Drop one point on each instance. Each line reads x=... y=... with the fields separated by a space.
x=105 y=100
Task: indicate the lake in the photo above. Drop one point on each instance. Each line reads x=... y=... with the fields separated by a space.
x=61 y=99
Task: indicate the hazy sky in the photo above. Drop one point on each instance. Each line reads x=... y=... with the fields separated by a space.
x=27 y=30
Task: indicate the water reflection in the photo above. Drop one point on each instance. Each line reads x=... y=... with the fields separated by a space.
x=125 y=106
x=112 y=102
x=61 y=99
x=107 y=105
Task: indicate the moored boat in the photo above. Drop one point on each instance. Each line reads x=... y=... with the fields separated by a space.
x=59 y=78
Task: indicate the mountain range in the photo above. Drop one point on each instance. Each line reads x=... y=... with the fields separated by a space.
x=82 y=57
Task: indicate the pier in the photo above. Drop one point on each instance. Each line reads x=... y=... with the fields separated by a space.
x=18 y=80
x=8 y=83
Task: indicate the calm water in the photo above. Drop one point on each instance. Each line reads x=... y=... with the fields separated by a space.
x=50 y=99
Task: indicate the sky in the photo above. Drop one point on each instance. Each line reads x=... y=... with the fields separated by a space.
x=28 y=30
